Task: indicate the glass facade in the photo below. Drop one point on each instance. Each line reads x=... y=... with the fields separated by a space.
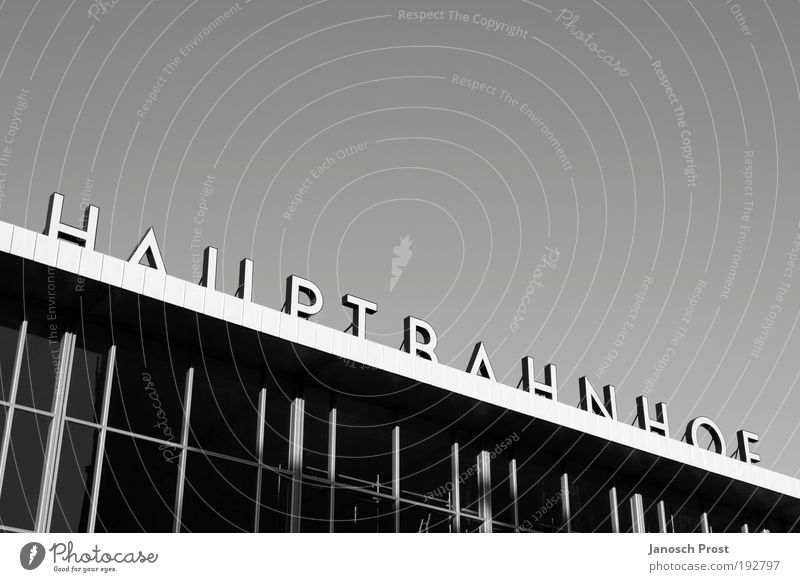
x=116 y=433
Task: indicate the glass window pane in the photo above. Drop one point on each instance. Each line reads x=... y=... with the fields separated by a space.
x=37 y=377
x=316 y=429
x=417 y=519
x=500 y=463
x=359 y=511
x=8 y=353
x=315 y=506
x=137 y=486
x=23 y=475
x=539 y=487
x=275 y=490
x=219 y=495
x=224 y=409
x=74 y=484
x=589 y=502
x=425 y=465
x=363 y=444
x=86 y=383
x=147 y=395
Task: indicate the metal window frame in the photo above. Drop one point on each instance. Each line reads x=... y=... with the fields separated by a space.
x=101 y=443
x=23 y=329
x=187 y=410
x=55 y=435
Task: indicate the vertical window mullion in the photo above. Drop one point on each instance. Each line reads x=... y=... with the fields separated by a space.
x=512 y=476
x=56 y=433
x=565 y=508
x=260 y=435
x=662 y=517
x=101 y=442
x=614 y=506
x=396 y=475
x=184 y=453
x=6 y=437
x=332 y=460
x=296 y=459
x=484 y=490
x=455 y=480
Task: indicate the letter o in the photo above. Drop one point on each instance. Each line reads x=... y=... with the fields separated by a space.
x=713 y=430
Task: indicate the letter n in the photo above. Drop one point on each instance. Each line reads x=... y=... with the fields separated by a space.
x=590 y=401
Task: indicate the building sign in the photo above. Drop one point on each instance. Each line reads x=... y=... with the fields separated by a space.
x=304 y=299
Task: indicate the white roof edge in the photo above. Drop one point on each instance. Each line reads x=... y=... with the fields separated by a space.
x=66 y=256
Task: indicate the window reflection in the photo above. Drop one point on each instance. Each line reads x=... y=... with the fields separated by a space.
x=23 y=475
x=73 y=486
x=8 y=352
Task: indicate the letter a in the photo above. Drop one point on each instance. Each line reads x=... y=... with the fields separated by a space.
x=148 y=249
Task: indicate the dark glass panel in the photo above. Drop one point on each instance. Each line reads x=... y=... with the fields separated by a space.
x=8 y=352
x=363 y=444
x=23 y=473
x=275 y=491
x=147 y=394
x=500 y=464
x=650 y=507
x=86 y=383
x=359 y=511
x=425 y=465
x=315 y=506
x=137 y=486
x=37 y=377
x=539 y=489
x=74 y=484
x=469 y=525
x=417 y=519
x=589 y=502
x=219 y=495
x=224 y=409
x=315 y=432
x=682 y=518
x=276 y=431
